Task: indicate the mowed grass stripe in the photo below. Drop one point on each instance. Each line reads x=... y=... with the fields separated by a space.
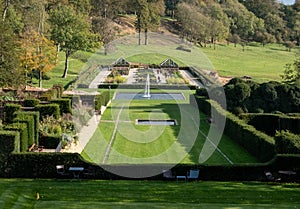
x=148 y=194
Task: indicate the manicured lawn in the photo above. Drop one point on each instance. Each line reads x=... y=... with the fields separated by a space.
x=21 y=193
x=122 y=141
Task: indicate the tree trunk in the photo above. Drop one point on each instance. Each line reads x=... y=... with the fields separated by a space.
x=7 y=3
x=140 y=39
x=146 y=36
x=40 y=79
x=66 y=64
x=57 y=52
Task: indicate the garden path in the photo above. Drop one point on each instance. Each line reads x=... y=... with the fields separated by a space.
x=100 y=78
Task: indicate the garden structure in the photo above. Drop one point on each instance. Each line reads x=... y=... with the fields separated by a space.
x=121 y=66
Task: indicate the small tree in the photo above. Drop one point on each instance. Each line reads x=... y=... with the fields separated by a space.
x=291 y=74
x=38 y=53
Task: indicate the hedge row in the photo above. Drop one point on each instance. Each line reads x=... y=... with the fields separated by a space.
x=50 y=142
x=9 y=110
x=42 y=165
x=102 y=100
x=287 y=143
x=29 y=121
x=255 y=142
x=48 y=110
x=65 y=105
x=54 y=93
x=270 y=123
x=22 y=128
x=31 y=102
x=36 y=117
x=9 y=142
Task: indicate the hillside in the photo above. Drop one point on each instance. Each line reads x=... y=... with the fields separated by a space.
x=261 y=63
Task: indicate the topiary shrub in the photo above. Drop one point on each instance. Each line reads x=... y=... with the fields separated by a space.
x=9 y=110
x=9 y=142
x=64 y=105
x=48 y=110
x=36 y=117
x=287 y=143
x=31 y=102
x=22 y=128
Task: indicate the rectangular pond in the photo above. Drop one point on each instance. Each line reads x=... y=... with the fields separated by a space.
x=153 y=96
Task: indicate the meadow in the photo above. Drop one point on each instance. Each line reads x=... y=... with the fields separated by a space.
x=119 y=139
x=22 y=193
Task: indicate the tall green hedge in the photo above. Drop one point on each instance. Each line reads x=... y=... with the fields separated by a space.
x=50 y=141
x=64 y=105
x=9 y=110
x=48 y=110
x=29 y=120
x=287 y=143
x=9 y=142
x=270 y=123
x=36 y=117
x=22 y=128
x=31 y=102
x=255 y=142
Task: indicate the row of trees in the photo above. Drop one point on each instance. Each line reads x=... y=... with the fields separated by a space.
x=237 y=21
x=34 y=31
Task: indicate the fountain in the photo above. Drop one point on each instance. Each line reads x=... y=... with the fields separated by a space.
x=147 y=88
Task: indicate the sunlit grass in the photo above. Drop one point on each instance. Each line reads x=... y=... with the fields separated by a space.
x=21 y=193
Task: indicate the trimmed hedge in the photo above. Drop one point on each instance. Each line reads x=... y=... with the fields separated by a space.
x=255 y=142
x=48 y=110
x=50 y=141
x=102 y=100
x=36 y=117
x=64 y=105
x=42 y=165
x=270 y=123
x=29 y=121
x=9 y=142
x=287 y=143
x=31 y=102
x=9 y=110
x=22 y=128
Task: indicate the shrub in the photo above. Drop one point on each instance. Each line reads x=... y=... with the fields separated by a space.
x=9 y=142
x=31 y=102
x=59 y=89
x=45 y=96
x=64 y=105
x=22 y=128
x=50 y=141
x=36 y=117
x=29 y=121
x=48 y=110
x=287 y=143
x=9 y=111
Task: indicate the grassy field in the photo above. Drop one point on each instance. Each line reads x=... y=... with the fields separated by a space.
x=131 y=143
x=262 y=63
x=21 y=193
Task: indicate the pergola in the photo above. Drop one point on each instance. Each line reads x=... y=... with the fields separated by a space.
x=169 y=65
x=121 y=65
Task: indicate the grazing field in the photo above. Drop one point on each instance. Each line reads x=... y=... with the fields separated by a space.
x=119 y=140
x=21 y=193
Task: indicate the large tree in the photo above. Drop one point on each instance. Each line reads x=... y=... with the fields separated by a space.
x=9 y=58
x=70 y=30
